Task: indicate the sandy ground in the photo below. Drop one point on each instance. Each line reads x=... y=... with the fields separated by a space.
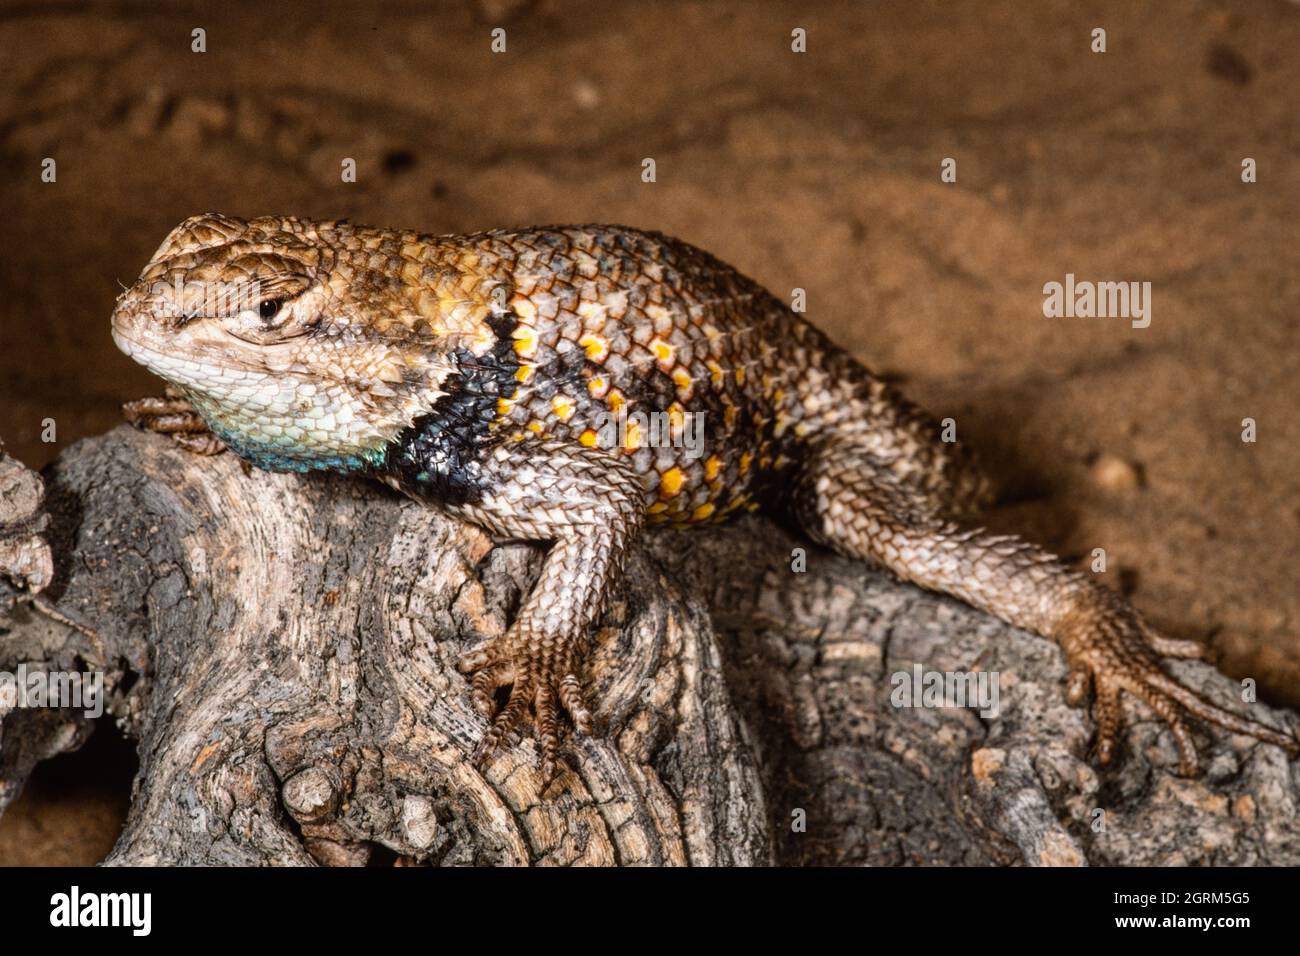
x=818 y=171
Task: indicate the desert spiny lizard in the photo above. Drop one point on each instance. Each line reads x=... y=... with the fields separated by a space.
x=480 y=373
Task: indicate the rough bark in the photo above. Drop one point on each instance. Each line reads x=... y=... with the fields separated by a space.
x=283 y=649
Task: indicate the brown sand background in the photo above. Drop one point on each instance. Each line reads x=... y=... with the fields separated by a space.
x=818 y=171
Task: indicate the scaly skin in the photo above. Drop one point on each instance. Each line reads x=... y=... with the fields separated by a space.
x=477 y=373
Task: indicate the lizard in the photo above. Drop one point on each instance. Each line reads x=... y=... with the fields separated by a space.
x=477 y=374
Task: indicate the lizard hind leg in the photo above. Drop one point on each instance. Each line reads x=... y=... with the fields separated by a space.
x=847 y=499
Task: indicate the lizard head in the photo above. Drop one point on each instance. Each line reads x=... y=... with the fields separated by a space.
x=302 y=344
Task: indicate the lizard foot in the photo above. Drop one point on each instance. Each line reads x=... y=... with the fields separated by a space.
x=1111 y=651
x=547 y=690
x=173 y=416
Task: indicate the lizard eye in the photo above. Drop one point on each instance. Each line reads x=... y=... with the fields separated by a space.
x=279 y=307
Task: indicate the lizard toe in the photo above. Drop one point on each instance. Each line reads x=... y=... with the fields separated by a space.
x=1175 y=647
x=546 y=708
x=1175 y=719
x=505 y=721
x=1109 y=718
x=1078 y=686
x=485 y=683
x=572 y=698
x=485 y=656
x=206 y=444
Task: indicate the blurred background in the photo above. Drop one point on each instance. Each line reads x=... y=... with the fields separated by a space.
x=817 y=170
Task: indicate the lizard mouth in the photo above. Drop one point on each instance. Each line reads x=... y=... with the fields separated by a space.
x=176 y=366
x=140 y=352
x=132 y=347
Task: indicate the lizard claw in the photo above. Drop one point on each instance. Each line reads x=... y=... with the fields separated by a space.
x=548 y=696
x=1111 y=651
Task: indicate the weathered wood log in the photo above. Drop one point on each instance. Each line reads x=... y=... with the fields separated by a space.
x=283 y=650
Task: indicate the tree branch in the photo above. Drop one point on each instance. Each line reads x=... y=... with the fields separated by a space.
x=283 y=650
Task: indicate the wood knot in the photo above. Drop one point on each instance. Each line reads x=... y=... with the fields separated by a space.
x=311 y=795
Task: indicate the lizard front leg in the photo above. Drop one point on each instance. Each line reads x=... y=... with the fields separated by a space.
x=589 y=503
x=173 y=416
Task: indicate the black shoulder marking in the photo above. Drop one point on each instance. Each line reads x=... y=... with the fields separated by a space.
x=502 y=325
x=437 y=456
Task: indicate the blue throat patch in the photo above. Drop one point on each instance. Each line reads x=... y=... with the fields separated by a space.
x=292 y=458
